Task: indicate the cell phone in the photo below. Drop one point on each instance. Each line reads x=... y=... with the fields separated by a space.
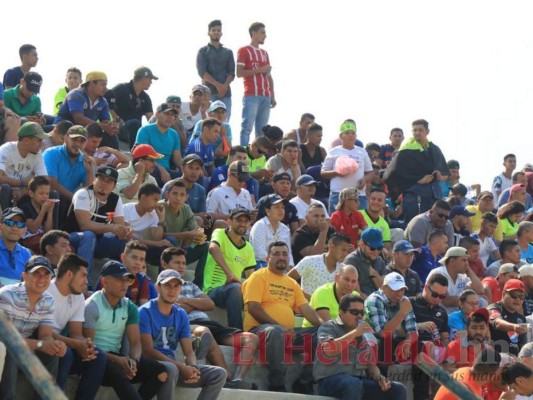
x=131 y=363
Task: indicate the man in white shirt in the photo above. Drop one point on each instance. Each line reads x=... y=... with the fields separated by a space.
x=20 y=161
x=230 y=194
x=305 y=190
x=341 y=180
x=69 y=307
x=196 y=109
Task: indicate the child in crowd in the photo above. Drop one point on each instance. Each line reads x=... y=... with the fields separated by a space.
x=73 y=80
x=348 y=219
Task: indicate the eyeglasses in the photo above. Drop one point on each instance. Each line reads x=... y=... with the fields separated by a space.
x=517 y=296
x=356 y=312
x=374 y=248
x=11 y=223
x=437 y=295
x=443 y=216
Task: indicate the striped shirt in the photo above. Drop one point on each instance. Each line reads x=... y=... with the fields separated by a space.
x=15 y=303
x=254 y=58
x=190 y=291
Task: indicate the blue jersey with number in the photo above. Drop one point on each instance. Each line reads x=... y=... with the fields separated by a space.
x=166 y=330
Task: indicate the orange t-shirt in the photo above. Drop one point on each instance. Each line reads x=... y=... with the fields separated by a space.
x=462 y=375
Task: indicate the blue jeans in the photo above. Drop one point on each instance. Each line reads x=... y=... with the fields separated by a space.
x=227 y=101
x=84 y=243
x=255 y=112
x=333 y=201
x=347 y=387
x=229 y=297
x=91 y=373
x=411 y=206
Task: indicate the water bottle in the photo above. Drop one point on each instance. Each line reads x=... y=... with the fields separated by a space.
x=369 y=336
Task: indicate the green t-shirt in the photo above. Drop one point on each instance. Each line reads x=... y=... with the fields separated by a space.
x=238 y=259
x=59 y=98
x=11 y=101
x=257 y=164
x=509 y=229
x=381 y=224
x=183 y=222
x=324 y=297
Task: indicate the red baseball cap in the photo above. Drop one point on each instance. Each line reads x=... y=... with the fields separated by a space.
x=483 y=312
x=145 y=150
x=514 y=284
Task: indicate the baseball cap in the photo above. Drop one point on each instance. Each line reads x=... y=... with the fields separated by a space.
x=145 y=150
x=484 y=194
x=197 y=88
x=347 y=126
x=453 y=164
x=77 y=131
x=528 y=167
x=37 y=262
x=507 y=267
x=106 y=170
x=33 y=81
x=525 y=270
x=11 y=212
x=142 y=72
x=280 y=176
x=483 y=312
x=272 y=199
x=453 y=252
x=240 y=170
x=237 y=212
x=394 y=281
x=32 y=129
x=173 y=99
x=165 y=107
x=372 y=237
x=526 y=350
x=167 y=275
x=514 y=284
x=95 y=76
x=116 y=269
x=403 y=246
x=460 y=210
x=516 y=187
x=190 y=158
x=216 y=105
x=305 y=180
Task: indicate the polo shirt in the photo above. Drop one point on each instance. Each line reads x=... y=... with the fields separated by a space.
x=12 y=101
x=125 y=178
x=13 y=76
x=325 y=298
x=109 y=323
x=59 y=166
x=380 y=224
x=350 y=224
x=15 y=303
x=454 y=288
x=12 y=263
x=202 y=150
x=184 y=221
x=165 y=143
x=78 y=101
x=514 y=341
x=129 y=105
x=412 y=280
x=425 y=312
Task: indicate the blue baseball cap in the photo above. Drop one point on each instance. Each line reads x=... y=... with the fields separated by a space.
x=403 y=246
x=116 y=269
x=372 y=237
x=305 y=180
x=460 y=210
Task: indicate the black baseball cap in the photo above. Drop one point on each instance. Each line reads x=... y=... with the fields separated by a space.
x=116 y=269
x=36 y=262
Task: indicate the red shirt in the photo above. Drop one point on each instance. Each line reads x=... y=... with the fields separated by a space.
x=494 y=286
x=478 y=267
x=463 y=357
x=254 y=58
x=462 y=375
x=350 y=225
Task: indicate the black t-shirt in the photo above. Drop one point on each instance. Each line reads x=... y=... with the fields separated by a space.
x=512 y=339
x=304 y=237
x=128 y=104
x=412 y=280
x=424 y=312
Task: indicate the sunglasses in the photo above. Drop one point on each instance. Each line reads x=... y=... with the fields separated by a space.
x=443 y=216
x=11 y=223
x=356 y=312
x=436 y=295
x=517 y=296
x=374 y=248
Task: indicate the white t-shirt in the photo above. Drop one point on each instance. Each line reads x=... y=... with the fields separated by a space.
x=340 y=182
x=140 y=224
x=187 y=118
x=314 y=272
x=302 y=206
x=223 y=199
x=17 y=167
x=486 y=247
x=454 y=288
x=66 y=308
x=85 y=199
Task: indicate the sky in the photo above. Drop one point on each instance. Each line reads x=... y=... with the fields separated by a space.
x=465 y=66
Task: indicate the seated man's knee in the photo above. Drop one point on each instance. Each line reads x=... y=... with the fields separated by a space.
x=162 y=377
x=200 y=330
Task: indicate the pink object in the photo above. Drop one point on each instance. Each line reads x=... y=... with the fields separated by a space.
x=346 y=165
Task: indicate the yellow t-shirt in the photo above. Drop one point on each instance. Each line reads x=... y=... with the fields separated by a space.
x=279 y=296
x=476 y=223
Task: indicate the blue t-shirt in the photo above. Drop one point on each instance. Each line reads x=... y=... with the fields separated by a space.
x=78 y=101
x=424 y=263
x=206 y=153
x=164 y=143
x=12 y=263
x=527 y=255
x=13 y=76
x=166 y=330
x=1 y=91
x=58 y=165
x=457 y=322
x=197 y=130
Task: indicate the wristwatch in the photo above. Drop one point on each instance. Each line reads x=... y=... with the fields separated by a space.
x=39 y=344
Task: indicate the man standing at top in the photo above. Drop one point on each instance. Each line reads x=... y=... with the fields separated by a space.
x=216 y=66
x=416 y=172
x=29 y=58
x=254 y=66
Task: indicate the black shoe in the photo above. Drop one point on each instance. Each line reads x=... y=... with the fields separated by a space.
x=303 y=387
x=280 y=389
x=239 y=384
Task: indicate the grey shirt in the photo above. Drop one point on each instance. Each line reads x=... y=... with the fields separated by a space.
x=363 y=264
x=420 y=227
x=494 y=268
